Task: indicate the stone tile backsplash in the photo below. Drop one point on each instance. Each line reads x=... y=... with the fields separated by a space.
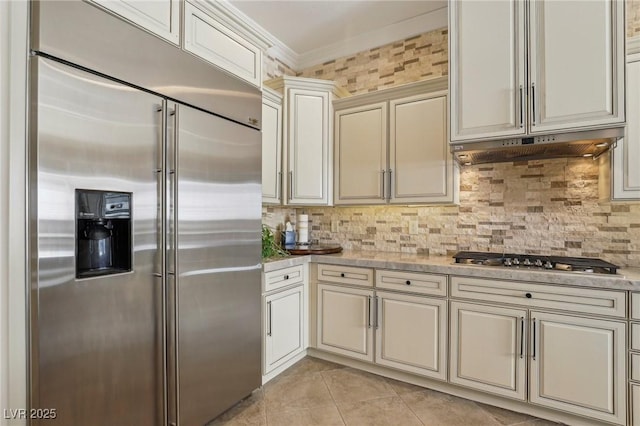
x=549 y=206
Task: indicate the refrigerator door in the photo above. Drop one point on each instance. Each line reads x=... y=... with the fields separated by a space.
x=97 y=343
x=218 y=216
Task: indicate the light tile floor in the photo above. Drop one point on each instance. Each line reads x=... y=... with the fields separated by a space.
x=317 y=392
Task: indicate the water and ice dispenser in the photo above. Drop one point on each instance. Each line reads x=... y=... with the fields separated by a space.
x=103 y=233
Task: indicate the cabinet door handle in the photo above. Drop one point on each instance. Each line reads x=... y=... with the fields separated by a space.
x=533 y=104
x=279 y=186
x=269 y=318
x=534 y=340
x=368 y=311
x=521 y=337
x=377 y=318
x=290 y=185
x=384 y=192
x=390 y=185
x=521 y=108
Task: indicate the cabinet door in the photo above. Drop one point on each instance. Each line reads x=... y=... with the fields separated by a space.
x=575 y=79
x=161 y=17
x=626 y=173
x=635 y=405
x=421 y=165
x=578 y=365
x=284 y=315
x=411 y=334
x=488 y=348
x=487 y=69
x=211 y=40
x=345 y=321
x=361 y=155
x=308 y=149
x=271 y=151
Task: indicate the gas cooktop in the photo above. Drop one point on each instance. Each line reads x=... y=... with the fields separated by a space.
x=536 y=262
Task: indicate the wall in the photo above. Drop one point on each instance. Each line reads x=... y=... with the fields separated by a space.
x=547 y=206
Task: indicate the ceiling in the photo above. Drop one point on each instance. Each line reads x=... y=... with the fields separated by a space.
x=312 y=31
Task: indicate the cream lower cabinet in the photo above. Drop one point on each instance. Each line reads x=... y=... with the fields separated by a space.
x=411 y=333
x=488 y=348
x=578 y=365
x=284 y=320
x=344 y=320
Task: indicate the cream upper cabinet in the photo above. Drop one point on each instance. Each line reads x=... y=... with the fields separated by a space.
x=575 y=74
x=578 y=365
x=625 y=170
x=411 y=334
x=307 y=147
x=392 y=147
x=271 y=147
x=206 y=36
x=421 y=166
x=160 y=17
x=361 y=154
x=486 y=69
x=586 y=87
x=344 y=321
x=488 y=349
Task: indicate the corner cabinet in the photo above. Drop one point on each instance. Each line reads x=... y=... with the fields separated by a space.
x=271 y=146
x=161 y=17
x=392 y=147
x=497 y=93
x=307 y=147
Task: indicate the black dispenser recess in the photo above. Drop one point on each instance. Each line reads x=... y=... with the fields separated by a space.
x=103 y=233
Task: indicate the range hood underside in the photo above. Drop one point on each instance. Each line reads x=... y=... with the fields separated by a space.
x=577 y=144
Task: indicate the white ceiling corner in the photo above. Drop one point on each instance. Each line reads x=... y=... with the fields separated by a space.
x=304 y=33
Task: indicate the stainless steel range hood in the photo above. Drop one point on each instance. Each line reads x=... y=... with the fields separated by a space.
x=576 y=144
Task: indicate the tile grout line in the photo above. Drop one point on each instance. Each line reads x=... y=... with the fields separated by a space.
x=332 y=398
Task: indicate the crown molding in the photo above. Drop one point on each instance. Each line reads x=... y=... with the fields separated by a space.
x=283 y=53
x=238 y=22
x=385 y=35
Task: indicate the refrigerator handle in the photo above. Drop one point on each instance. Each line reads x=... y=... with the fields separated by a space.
x=171 y=197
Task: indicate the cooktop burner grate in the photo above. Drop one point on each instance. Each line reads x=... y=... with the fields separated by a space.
x=536 y=262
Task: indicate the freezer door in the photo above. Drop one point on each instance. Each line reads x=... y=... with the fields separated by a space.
x=96 y=343
x=218 y=218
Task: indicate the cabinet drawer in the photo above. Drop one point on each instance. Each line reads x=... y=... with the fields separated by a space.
x=414 y=282
x=345 y=275
x=635 y=337
x=582 y=300
x=635 y=305
x=283 y=277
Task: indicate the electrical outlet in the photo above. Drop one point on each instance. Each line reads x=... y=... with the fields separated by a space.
x=334 y=226
x=413 y=227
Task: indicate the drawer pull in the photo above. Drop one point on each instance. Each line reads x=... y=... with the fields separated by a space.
x=286 y=277
x=342 y=274
x=528 y=295
x=408 y=282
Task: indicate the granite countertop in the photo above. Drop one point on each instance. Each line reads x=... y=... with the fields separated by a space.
x=626 y=279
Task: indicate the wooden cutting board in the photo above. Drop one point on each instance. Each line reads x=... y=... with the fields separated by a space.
x=317 y=249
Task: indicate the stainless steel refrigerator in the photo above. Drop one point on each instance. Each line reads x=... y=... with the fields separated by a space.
x=145 y=228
